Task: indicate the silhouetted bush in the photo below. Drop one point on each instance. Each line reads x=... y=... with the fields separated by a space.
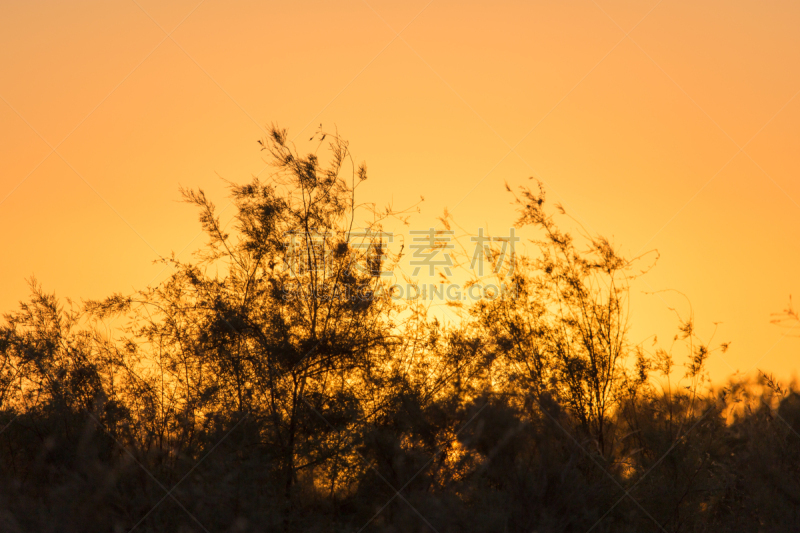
x=266 y=387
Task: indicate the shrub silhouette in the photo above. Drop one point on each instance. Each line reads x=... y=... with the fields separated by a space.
x=271 y=384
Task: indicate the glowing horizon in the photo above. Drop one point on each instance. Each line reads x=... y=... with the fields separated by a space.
x=663 y=125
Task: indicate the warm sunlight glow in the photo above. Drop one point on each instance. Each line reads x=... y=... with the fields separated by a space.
x=413 y=266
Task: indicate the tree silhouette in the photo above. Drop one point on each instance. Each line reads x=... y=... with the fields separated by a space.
x=272 y=383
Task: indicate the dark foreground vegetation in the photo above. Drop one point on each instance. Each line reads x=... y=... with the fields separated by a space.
x=225 y=400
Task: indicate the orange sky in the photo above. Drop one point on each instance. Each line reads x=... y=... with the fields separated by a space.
x=681 y=136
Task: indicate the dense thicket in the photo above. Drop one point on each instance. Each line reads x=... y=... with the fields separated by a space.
x=270 y=384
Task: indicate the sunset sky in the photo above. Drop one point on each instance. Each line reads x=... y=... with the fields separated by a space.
x=667 y=125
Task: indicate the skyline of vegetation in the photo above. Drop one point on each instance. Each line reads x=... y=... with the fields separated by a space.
x=214 y=402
